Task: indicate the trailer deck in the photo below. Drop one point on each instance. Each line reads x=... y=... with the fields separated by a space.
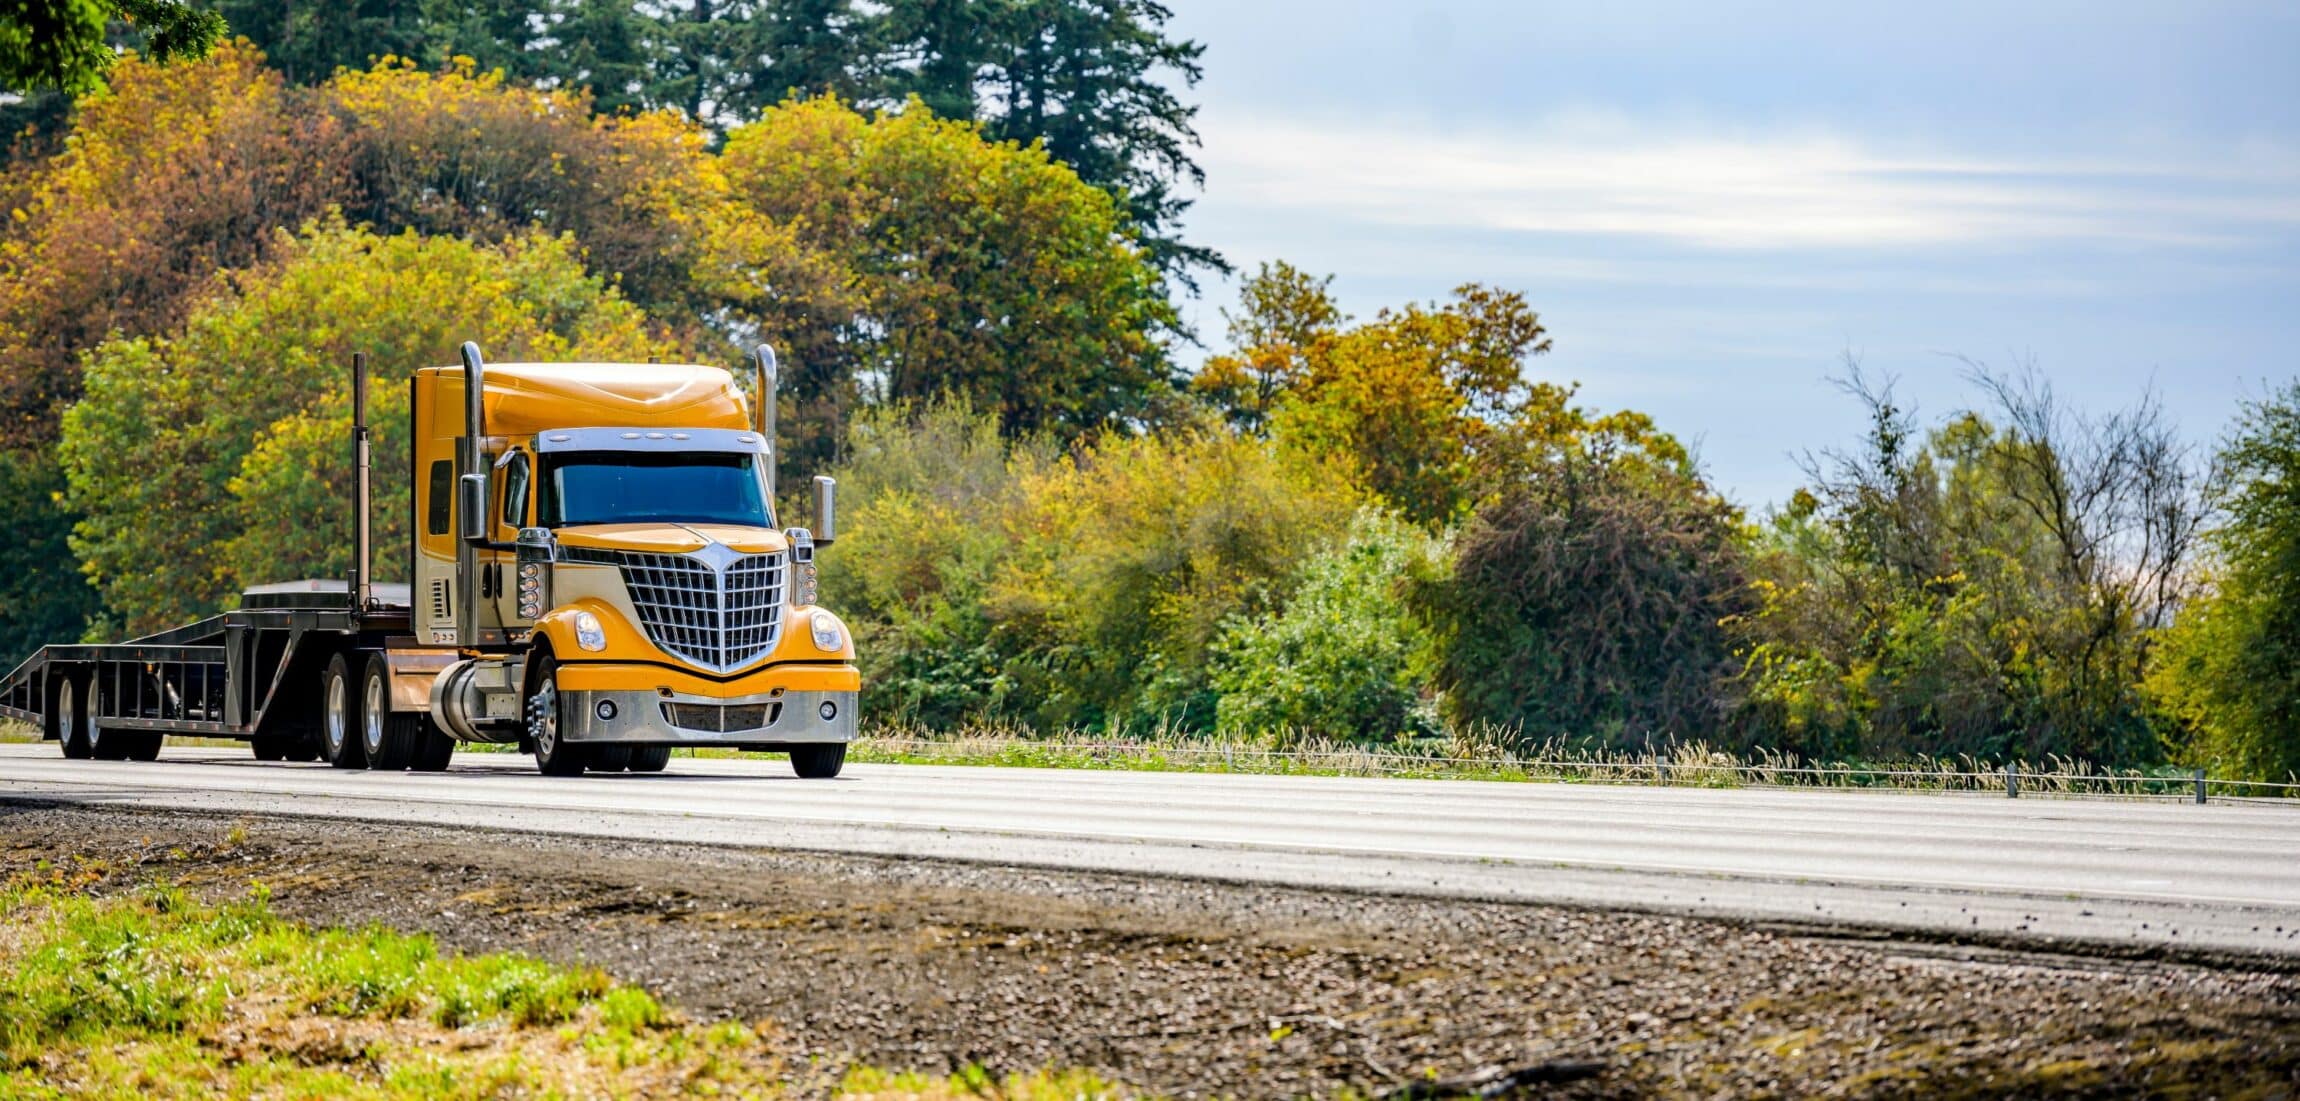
x=248 y=673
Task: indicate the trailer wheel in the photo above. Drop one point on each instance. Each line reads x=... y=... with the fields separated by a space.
x=143 y=745
x=63 y=714
x=390 y=737
x=339 y=717
x=102 y=746
x=307 y=746
x=818 y=762
x=649 y=758
x=553 y=756
x=434 y=751
x=269 y=749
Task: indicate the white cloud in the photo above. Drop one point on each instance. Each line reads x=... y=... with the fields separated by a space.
x=1606 y=176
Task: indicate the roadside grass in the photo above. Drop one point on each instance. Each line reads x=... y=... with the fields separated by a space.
x=1478 y=755
x=146 y=991
x=1492 y=755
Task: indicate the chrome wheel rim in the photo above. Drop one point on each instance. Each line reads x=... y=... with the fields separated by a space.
x=95 y=732
x=334 y=711
x=544 y=723
x=371 y=718
x=67 y=715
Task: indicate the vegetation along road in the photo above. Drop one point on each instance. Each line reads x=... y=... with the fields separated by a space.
x=2122 y=876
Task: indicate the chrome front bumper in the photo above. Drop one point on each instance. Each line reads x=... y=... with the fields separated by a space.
x=650 y=718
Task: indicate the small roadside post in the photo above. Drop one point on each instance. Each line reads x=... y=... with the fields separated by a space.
x=2012 y=780
x=2200 y=787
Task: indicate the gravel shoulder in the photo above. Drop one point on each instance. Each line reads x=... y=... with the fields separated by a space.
x=1193 y=989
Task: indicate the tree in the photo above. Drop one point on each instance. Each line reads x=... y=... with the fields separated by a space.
x=1419 y=398
x=171 y=174
x=212 y=457
x=2229 y=670
x=1283 y=312
x=1586 y=604
x=461 y=152
x=1084 y=77
x=1991 y=588
x=63 y=45
x=903 y=257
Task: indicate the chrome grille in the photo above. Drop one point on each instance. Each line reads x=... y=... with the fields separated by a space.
x=721 y=618
x=722 y=718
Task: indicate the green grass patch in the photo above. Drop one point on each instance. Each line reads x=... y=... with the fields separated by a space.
x=148 y=991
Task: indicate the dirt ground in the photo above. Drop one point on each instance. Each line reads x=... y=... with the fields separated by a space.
x=1203 y=990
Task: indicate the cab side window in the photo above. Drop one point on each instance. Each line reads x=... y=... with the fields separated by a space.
x=440 y=497
x=515 y=491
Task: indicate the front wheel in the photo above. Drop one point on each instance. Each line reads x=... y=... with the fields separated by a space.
x=649 y=758
x=818 y=762
x=553 y=756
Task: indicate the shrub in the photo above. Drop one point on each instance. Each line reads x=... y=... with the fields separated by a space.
x=1586 y=605
x=1129 y=558
x=1342 y=659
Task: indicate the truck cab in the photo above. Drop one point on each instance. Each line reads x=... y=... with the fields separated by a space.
x=599 y=573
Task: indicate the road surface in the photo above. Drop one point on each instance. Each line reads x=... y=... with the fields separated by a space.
x=2217 y=878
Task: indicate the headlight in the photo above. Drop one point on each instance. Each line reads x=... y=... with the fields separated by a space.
x=588 y=634
x=830 y=634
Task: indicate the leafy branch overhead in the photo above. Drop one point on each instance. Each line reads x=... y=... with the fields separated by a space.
x=65 y=45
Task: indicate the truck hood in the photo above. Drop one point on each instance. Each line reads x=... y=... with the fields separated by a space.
x=672 y=538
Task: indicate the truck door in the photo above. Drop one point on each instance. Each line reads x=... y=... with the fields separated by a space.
x=512 y=481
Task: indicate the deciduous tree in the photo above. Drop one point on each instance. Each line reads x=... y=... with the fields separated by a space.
x=213 y=457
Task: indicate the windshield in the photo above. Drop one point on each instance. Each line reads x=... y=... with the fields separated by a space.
x=624 y=487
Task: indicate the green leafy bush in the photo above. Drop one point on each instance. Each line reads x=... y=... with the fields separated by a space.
x=1586 y=604
x=1342 y=659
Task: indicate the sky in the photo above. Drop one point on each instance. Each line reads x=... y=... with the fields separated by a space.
x=1712 y=206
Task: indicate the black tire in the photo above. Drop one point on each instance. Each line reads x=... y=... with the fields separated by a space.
x=390 y=737
x=610 y=758
x=649 y=758
x=339 y=716
x=63 y=715
x=553 y=756
x=269 y=749
x=818 y=762
x=143 y=745
x=307 y=746
x=102 y=745
x=434 y=751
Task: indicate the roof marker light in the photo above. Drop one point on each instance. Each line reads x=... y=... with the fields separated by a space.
x=630 y=435
x=654 y=435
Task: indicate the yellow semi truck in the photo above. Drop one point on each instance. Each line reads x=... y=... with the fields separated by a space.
x=596 y=576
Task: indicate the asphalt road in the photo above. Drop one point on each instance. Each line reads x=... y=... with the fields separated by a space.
x=2217 y=878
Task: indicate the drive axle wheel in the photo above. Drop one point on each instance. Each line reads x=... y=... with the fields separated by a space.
x=553 y=756
x=339 y=717
x=390 y=737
